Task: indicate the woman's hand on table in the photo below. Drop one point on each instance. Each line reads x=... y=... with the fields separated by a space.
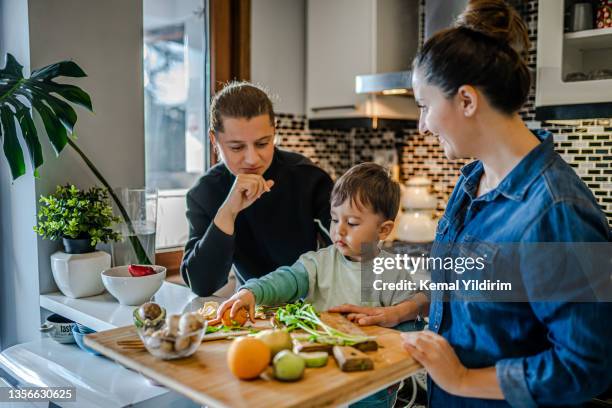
x=243 y=299
x=438 y=357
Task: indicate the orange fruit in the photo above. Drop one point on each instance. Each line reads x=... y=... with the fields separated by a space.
x=248 y=357
x=239 y=320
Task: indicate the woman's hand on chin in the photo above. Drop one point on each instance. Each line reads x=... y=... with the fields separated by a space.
x=247 y=188
x=439 y=359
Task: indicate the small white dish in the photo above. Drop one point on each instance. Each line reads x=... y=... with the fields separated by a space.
x=58 y=328
x=130 y=290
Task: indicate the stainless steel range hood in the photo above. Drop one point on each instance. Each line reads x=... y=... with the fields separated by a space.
x=388 y=83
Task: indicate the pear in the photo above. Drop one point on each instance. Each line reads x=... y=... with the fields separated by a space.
x=276 y=340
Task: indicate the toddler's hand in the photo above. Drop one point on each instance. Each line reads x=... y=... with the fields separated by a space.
x=368 y=316
x=244 y=298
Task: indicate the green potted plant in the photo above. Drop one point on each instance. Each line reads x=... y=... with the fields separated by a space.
x=81 y=219
x=20 y=96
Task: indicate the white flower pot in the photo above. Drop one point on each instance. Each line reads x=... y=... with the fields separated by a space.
x=78 y=275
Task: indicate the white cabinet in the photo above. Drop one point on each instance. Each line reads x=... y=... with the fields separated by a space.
x=569 y=64
x=346 y=38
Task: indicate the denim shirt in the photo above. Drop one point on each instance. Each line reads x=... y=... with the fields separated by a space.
x=545 y=353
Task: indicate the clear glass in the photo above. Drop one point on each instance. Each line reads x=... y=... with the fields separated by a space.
x=141 y=207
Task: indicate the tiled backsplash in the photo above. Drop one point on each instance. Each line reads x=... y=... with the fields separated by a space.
x=585 y=144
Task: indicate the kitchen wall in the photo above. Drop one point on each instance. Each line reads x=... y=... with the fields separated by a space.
x=18 y=277
x=585 y=144
x=105 y=39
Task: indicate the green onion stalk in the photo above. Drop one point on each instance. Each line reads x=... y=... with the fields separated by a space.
x=303 y=316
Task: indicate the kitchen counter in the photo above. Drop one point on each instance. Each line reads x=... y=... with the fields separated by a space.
x=99 y=382
x=103 y=312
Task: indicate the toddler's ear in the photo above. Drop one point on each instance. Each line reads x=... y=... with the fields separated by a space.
x=385 y=229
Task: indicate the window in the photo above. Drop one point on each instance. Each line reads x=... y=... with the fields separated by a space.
x=175 y=93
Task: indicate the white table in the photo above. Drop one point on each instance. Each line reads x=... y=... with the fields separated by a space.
x=99 y=381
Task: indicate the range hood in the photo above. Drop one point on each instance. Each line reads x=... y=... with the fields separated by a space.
x=358 y=63
x=389 y=83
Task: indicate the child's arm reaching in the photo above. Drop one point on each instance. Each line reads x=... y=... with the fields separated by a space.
x=386 y=316
x=286 y=284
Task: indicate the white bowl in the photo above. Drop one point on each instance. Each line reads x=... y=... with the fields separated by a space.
x=130 y=290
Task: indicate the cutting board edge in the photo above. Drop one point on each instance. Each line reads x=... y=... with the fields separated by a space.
x=153 y=374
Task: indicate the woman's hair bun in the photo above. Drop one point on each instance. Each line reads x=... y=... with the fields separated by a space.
x=497 y=20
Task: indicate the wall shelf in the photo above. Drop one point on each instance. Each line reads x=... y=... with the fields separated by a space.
x=590 y=39
x=561 y=54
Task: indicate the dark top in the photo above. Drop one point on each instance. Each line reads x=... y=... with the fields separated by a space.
x=273 y=231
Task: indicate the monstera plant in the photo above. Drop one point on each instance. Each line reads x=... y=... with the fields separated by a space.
x=20 y=96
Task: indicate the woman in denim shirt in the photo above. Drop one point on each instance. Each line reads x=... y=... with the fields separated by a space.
x=470 y=82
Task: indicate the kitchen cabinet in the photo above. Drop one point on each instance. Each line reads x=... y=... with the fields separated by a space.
x=346 y=38
x=571 y=67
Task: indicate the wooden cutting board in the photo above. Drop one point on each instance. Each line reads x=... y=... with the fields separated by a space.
x=205 y=378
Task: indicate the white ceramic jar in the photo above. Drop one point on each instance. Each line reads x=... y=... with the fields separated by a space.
x=78 y=275
x=417 y=223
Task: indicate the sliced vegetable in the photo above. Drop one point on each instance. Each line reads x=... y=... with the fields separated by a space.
x=315 y=358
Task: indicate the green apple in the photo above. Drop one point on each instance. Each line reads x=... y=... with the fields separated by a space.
x=288 y=366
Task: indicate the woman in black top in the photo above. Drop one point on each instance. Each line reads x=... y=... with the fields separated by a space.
x=258 y=208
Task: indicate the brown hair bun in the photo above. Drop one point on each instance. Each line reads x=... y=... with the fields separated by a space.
x=497 y=20
x=487 y=49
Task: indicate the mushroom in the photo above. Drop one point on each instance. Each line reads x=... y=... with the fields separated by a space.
x=181 y=343
x=149 y=311
x=172 y=325
x=189 y=323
